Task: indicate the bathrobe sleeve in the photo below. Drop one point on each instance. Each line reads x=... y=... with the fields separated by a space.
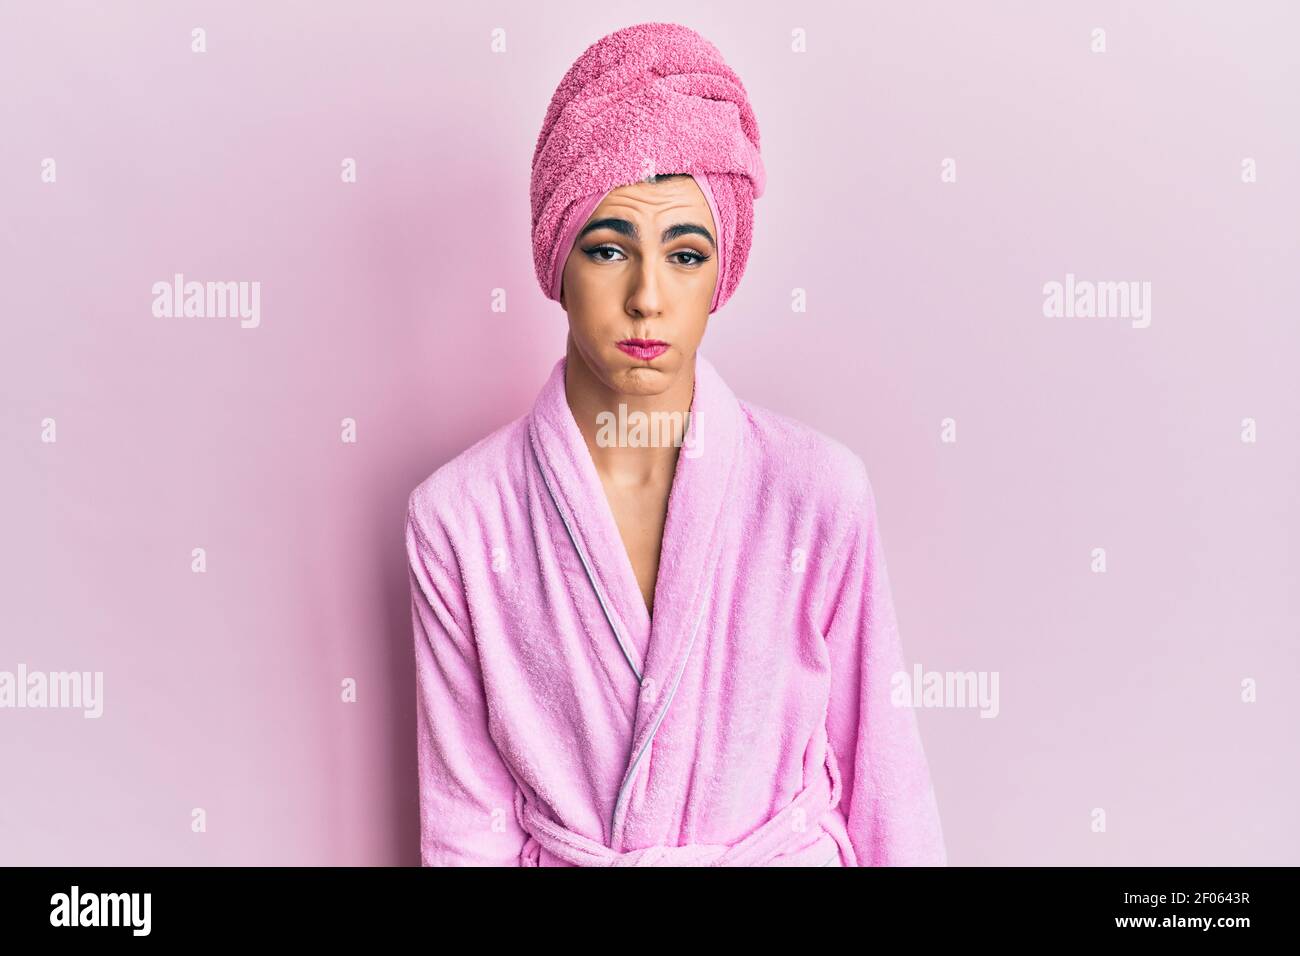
x=886 y=795
x=466 y=792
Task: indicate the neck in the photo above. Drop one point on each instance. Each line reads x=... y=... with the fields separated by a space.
x=589 y=397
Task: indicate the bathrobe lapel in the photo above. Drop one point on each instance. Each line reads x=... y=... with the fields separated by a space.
x=654 y=652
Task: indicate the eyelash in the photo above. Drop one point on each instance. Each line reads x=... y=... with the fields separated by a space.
x=698 y=258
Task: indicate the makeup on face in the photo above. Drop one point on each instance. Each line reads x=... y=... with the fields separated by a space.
x=644 y=349
x=690 y=258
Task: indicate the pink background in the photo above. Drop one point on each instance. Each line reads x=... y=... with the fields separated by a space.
x=1117 y=690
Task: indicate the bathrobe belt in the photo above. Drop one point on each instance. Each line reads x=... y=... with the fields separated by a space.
x=781 y=833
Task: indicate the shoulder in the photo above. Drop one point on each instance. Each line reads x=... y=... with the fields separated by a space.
x=797 y=461
x=473 y=480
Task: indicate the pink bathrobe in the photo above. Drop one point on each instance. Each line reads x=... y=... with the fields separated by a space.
x=749 y=723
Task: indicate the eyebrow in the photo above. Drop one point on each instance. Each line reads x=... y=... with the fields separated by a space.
x=629 y=229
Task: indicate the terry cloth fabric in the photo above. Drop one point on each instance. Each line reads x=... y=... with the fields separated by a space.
x=749 y=721
x=649 y=99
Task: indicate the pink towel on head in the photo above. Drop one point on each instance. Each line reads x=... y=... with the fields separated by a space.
x=648 y=99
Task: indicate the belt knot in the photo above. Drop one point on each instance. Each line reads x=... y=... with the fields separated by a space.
x=759 y=848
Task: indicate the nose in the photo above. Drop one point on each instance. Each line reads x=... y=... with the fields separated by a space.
x=646 y=296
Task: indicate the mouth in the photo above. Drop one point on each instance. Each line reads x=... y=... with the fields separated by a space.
x=643 y=349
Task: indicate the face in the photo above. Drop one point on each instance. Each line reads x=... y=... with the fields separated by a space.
x=646 y=272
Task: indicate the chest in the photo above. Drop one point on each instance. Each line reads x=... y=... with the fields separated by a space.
x=640 y=513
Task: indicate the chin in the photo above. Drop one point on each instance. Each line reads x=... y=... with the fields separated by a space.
x=643 y=379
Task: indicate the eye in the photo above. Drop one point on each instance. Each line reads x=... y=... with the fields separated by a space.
x=596 y=253
x=694 y=258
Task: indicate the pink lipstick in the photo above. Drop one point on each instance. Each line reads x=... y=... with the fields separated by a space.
x=643 y=349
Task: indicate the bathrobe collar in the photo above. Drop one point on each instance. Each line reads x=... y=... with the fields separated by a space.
x=655 y=650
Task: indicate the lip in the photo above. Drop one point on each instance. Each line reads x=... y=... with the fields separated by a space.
x=643 y=349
